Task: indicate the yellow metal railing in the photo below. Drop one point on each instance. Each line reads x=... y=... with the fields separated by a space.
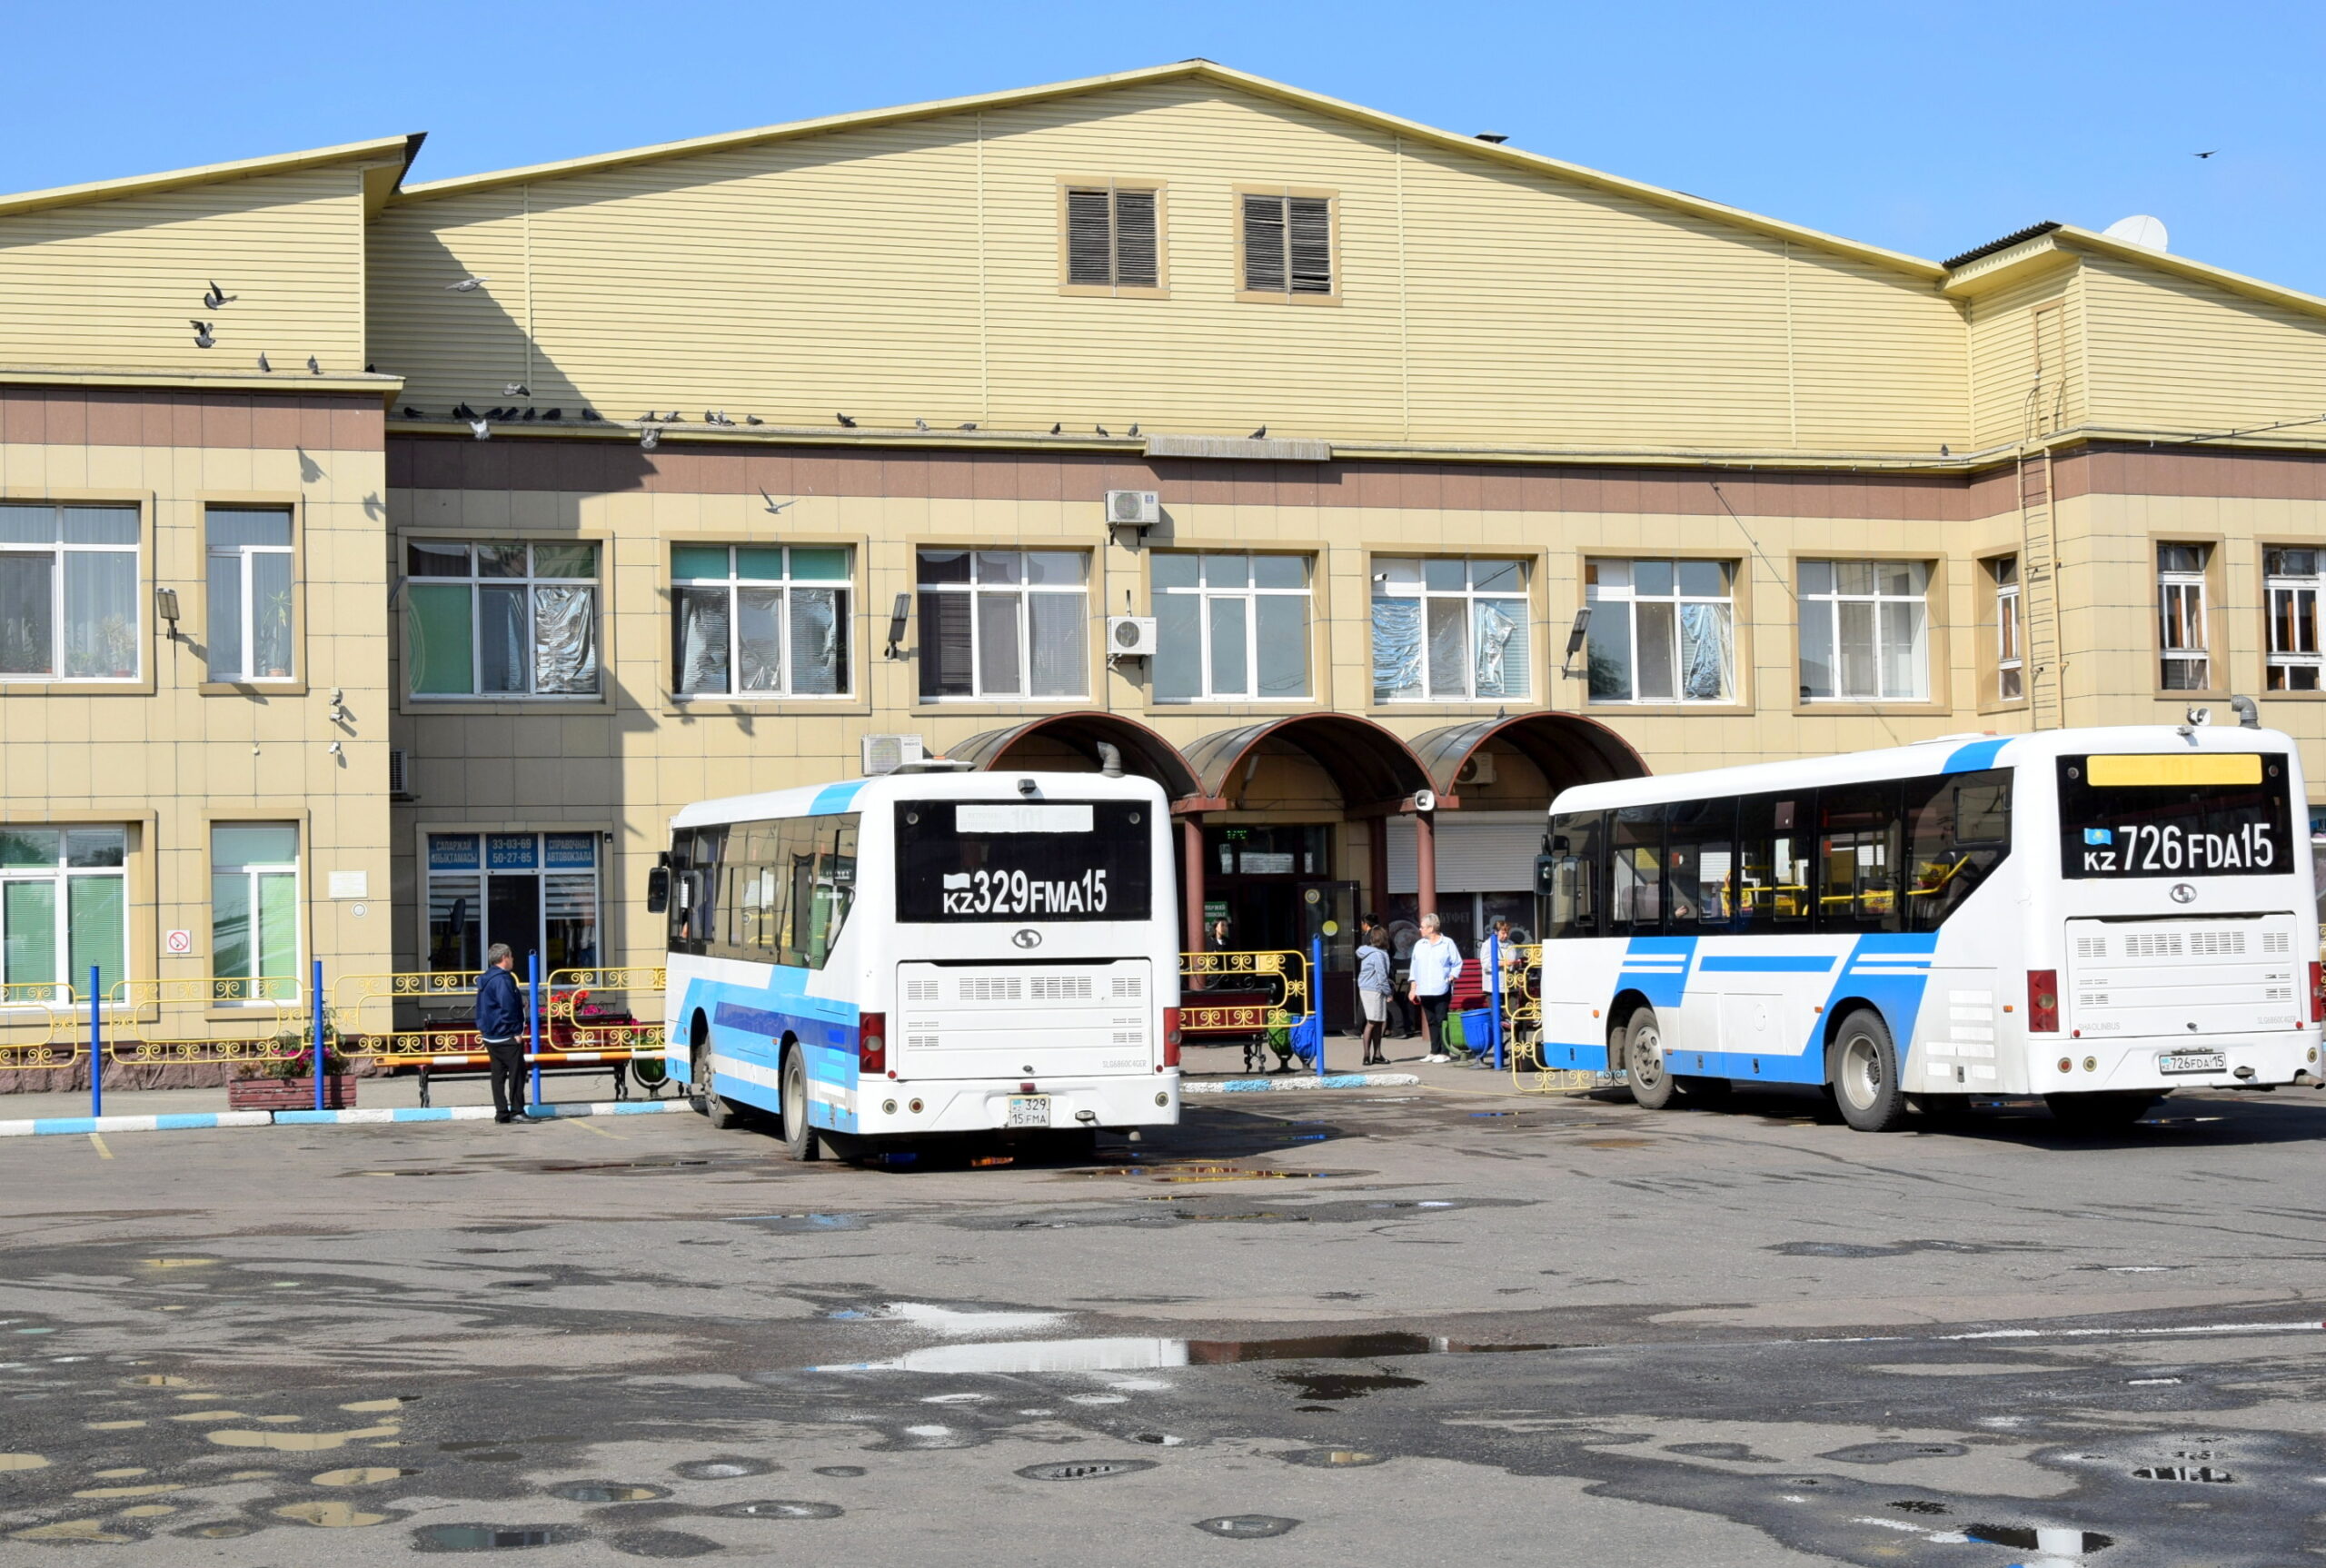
x=1529 y=1072
x=388 y=1018
x=1282 y=979
x=61 y=1014
x=245 y=1021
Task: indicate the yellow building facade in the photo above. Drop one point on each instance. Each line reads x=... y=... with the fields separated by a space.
x=383 y=561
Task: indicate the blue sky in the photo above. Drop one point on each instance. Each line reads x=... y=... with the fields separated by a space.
x=1929 y=129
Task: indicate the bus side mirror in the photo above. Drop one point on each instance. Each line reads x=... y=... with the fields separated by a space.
x=1546 y=870
x=658 y=889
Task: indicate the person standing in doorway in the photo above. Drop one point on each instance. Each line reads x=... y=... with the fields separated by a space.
x=1373 y=992
x=1434 y=963
x=500 y=1023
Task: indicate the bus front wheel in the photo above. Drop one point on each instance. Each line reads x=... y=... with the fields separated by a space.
x=720 y=1110
x=1862 y=1066
x=1653 y=1084
x=800 y=1141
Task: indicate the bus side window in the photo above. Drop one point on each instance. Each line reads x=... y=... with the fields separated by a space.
x=1958 y=831
x=1772 y=863
x=1578 y=846
x=1857 y=857
x=1635 y=872
x=1700 y=859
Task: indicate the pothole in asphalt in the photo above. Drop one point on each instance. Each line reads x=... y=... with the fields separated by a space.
x=780 y=1508
x=1340 y=1385
x=842 y=1471
x=662 y=1543
x=608 y=1491
x=1919 y=1505
x=1332 y=1458
x=1892 y=1249
x=724 y=1468
x=1893 y=1452
x=1246 y=1526
x=802 y=1223
x=491 y=1537
x=1086 y=1470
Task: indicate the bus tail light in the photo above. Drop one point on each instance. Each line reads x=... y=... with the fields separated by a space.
x=2043 y=1001
x=1172 y=1032
x=2318 y=993
x=872 y=1044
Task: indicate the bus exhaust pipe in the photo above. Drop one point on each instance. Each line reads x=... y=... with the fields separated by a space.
x=1110 y=756
x=2248 y=712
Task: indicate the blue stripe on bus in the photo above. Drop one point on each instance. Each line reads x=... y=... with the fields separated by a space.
x=1657 y=967
x=834 y=798
x=1765 y=964
x=745 y=1026
x=751 y=1020
x=1898 y=995
x=1975 y=756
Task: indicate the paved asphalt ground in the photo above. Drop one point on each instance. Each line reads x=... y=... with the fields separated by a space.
x=1408 y=1326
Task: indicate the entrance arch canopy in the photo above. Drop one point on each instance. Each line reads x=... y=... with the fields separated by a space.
x=1566 y=747
x=1145 y=752
x=1373 y=767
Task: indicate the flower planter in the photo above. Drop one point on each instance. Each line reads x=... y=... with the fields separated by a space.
x=289 y=1094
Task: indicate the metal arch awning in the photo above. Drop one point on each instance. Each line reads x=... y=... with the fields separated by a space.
x=1566 y=747
x=1373 y=768
x=1145 y=752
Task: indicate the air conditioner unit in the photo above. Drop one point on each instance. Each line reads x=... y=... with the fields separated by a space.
x=1130 y=637
x=886 y=753
x=1133 y=509
x=399 y=775
x=1478 y=770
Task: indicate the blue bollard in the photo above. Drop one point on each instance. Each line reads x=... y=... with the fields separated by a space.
x=97 y=1046
x=534 y=1012
x=315 y=1002
x=1493 y=965
x=1316 y=995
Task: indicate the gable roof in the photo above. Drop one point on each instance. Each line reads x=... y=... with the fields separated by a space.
x=2059 y=244
x=1197 y=70
x=393 y=151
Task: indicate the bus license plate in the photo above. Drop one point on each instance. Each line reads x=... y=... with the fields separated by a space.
x=2192 y=1062
x=1034 y=1110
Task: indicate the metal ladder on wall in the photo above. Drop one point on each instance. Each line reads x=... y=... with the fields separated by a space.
x=2039 y=596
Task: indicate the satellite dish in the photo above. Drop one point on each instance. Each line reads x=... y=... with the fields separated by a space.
x=2141 y=230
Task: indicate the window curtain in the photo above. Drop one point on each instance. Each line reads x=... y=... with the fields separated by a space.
x=818 y=643
x=702 y=641
x=270 y=614
x=1707 y=657
x=1501 y=670
x=945 y=645
x=28 y=627
x=1397 y=649
x=566 y=642
x=1057 y=620
x=100 y=615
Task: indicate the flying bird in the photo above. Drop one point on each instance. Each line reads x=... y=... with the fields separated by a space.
x=263 y=365
x=516 y=389
x=467 y=285
x=650 y=438
x=775 y=505
x=2204 y=154
x=1260 y=434
x=216 y=297
x=202 y=338
x=846 y=422
x=313 y=367
x=483 y=429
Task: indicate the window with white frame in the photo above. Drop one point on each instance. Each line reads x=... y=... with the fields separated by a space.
x=250 y=592
x=1005 y=623
x=500 y=619
x=1230 y=627
x=2011 y=659
x=1449 y=631
x=254 y=911
x=1110 y=238
x=69 y=592
x=64 y=910
x=1865 y=630
x=2182 y=633
x=2290 y=580
x=760 y=620
x=1661 y=630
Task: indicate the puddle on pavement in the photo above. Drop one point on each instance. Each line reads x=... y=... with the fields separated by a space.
x=1893 y=1452
x=1737 y=1453
x=1919 y=1505
x=363 y=1475
x=1333 y=1458
x=158 y=1380
x=1340 y=1385
x=2205 y=1473
x=2051 y=1543
x=491 y=1537
x=842 y=1471
x=1135 y=1353
x=724 y=1468
x=296 y=1442
x=366 y=1407
x=780 y=1508
x=23 y=1462
x=223 y=1530
x=154 y=1490
x=802 y=1223
x=88 y=1531
x=1086 y=1469
x=178 y=1262
x=330 y=1515
x=608 y=1491
x=1246 y=1526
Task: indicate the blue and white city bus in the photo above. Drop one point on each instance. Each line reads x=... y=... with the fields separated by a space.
x=2097 y=917
x=929 y=952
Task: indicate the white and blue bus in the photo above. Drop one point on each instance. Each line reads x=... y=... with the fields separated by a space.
x=2097 y=917
x=926 y=953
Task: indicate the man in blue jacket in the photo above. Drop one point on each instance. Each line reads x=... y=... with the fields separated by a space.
x=501 y=1020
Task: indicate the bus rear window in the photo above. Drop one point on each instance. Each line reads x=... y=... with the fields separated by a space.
x=1035 y=861
x=2174 y=814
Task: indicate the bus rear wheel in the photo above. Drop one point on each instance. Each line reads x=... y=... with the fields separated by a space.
x=720 y=1110
x=800 y=1140
x=1653 y=1084
x=1862 y=1066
